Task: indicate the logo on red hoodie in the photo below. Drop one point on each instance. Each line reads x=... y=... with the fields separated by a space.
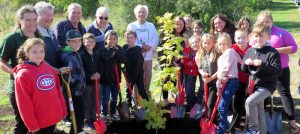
x=45 y=82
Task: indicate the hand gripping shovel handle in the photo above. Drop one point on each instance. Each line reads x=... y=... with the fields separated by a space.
x=216 y=105
x=71 y=107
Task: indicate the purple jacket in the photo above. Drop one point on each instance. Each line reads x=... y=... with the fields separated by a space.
x=282 y=38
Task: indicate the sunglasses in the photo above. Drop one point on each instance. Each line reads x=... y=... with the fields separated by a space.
x=103 y=18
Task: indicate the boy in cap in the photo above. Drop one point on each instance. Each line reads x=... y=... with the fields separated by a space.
x=70 y=57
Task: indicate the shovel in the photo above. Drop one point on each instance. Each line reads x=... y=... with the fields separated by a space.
x=99 y=124
x=198 y=110
x=178 y=111
x=209 y=127
x=71 y=107
x=139 y=113
x=122 y=107
x=273 y=120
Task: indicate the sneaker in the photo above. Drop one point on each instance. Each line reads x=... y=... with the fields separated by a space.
x=104 y=118
x=249 y=131
x=115 y=117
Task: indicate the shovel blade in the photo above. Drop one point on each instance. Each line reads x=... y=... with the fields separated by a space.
x=139 y=114
x=197 y=111
x=177 y=111
x=100 y=126
x=123 y=110
x=273 y=122
x=206 y=128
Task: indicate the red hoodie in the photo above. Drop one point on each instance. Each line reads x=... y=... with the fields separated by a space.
x=38 y=95
x=243 y=77
x=189 y=63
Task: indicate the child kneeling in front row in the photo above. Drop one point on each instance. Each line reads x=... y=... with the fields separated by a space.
x=38 y=93
x=264 y=60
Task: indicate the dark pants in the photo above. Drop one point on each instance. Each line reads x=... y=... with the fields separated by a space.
x=190 y=85
x=141 y=89
x=90 y=103
x=212 y=97
x=283 y=88
x=239 y=101
x=47 y=130
x=20 y=127
x=78 y=103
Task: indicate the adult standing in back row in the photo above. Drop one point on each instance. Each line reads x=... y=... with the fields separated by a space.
x=147 y=39
x=100 y=26
x=26 y=27
x=72 y=22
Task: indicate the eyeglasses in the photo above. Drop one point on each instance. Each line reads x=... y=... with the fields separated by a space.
x=103 y=18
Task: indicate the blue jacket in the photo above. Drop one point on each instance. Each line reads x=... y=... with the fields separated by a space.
x=72 y=59
x=92 y=28
x=62 y=27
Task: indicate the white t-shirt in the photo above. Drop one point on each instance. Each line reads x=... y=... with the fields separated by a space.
x=146 y=34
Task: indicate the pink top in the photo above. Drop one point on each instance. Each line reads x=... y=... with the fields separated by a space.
x=227 y=64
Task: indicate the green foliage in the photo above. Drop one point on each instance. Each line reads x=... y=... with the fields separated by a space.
x=171 y=49
x=154 y=114
x=6 y=17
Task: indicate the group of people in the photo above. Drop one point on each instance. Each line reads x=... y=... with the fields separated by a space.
x=225 y=59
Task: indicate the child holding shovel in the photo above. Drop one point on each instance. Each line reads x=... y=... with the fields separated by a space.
x=134 y=66
x=227 y=75
x=112 y=56
x=206 y=60
x=265 y=61
x=70 y=58
x=38 y=93
x=92 y=68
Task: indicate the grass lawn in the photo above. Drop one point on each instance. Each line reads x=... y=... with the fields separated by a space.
x=285 y=14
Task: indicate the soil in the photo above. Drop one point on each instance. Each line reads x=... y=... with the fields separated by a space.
x=6 y=125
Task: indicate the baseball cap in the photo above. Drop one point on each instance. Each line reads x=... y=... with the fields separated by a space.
x=73 y=34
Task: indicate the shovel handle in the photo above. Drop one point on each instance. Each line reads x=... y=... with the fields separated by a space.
x=71 y=107
x=206 y=98
x=216 y=105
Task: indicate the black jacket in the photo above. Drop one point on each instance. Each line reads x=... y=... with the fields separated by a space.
x=267 y=74
x=111 y=57
x=134 y=63
x=91 y=64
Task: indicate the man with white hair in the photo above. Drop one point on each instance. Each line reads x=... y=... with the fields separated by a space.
x=72 y=22
x=45 y=13
x=100 y=26
x=147 y=39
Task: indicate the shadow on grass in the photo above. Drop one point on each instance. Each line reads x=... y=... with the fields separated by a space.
x=281 y=6
x=287 y=25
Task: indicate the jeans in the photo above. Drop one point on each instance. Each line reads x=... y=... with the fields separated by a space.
x=255 y=110
x=230 y=89
x=109 y=92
